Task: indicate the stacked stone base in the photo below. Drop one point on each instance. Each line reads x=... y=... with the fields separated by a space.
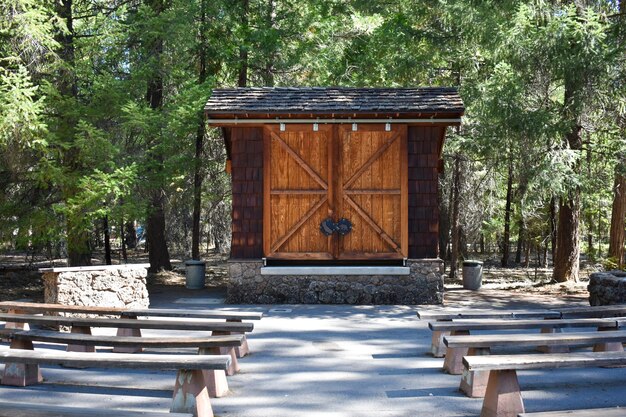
x=111 y=286
x=424 y=285
x=607 y=288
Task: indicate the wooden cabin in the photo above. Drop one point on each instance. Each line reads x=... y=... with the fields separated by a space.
x=335 y=192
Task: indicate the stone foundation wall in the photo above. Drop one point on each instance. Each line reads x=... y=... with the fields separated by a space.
x=606 y=288
x=424 y=285
x=110 y=286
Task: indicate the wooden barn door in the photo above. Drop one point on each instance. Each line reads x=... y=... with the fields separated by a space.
x=372 y=192
x=335 y=173
x=297 y=191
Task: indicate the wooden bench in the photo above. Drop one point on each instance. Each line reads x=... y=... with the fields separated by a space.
x=438 y=349
x=13 y=409
x=503 y=396
x=229 y=316
x=210 y=345
x=463 y=327
x=190 y=389
x=593 y=412
x=21 y=307
x=474 y=383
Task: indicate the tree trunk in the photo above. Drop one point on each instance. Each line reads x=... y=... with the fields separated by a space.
x=242 y=80
x=566 y=263
x=618 y=214
x=553 y=228
x=520 y=240
x=158 y=253
x=123 y=241
x=456 y=187
x=507 y=218
x=107 y=240
x=197 y=170
x=78 y=248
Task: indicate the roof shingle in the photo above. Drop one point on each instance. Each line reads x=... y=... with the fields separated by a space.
x=285 y=100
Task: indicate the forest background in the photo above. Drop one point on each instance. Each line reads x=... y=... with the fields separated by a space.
x=102 y=136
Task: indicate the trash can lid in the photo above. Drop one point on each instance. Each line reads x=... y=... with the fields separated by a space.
x=472 y=263
x=194 y=262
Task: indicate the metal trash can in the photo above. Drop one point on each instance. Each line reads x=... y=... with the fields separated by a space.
x=194 y=274
x=472 y=275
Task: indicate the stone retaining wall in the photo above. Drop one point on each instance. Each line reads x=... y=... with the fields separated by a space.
x=424 y=285
x=107 y=286
x=606 y=288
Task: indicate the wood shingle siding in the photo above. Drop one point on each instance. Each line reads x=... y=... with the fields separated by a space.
x=424 y=147
x=247 y=185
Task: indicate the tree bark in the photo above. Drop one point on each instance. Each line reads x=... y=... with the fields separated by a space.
x=618 y=214
x=553 y=228
x=158 y=253
x=78 y=248
x=507 y=218
x=456 y=187
x=566 y=263
x=107 y=240
x=242 y=80
x=197 y=171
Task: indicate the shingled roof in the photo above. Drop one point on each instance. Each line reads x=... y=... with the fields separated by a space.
x=328 y=100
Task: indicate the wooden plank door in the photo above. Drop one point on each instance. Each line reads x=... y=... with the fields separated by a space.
x=297 y=192
x=372 y=191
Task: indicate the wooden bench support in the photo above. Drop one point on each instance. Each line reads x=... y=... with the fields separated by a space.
x=553 y=349
x=21 y=374
x=16 y=325
x=609 y=346
x=453 y=363
x=242 y=350
x=502 y=397
x=437 y=348
x=215 y=379
x=191 y=394
x=474 y=383
x=122 y=331
x=81 y=348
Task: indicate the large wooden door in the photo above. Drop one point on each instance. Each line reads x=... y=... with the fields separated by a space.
x=372 y=191
x=335 y=172
x=297 y=182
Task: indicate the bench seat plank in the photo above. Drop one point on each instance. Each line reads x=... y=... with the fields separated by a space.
x=128 y=323
x=487 y=314
x=543 y=361
x=10 y=409
x=201 y=314
x=131 y=341
x=538 y=339
x=618 y=310
x=58 y=308
x=519 y=324
x=593 y=412
x=115 y=360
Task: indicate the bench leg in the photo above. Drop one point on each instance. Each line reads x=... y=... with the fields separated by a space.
x=16 y=325
x=215 y=379
x=80 y=348
x=244 y=349
x=552 y=349
x=122 y=332
x=190 y=394
x=453 y=363
x=437 y=347
x=503 y=397
x=474 y=383
x=240 y=351
x=21 y=374
x=610 y=346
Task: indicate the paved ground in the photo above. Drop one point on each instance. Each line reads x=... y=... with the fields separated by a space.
x=332 y=361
